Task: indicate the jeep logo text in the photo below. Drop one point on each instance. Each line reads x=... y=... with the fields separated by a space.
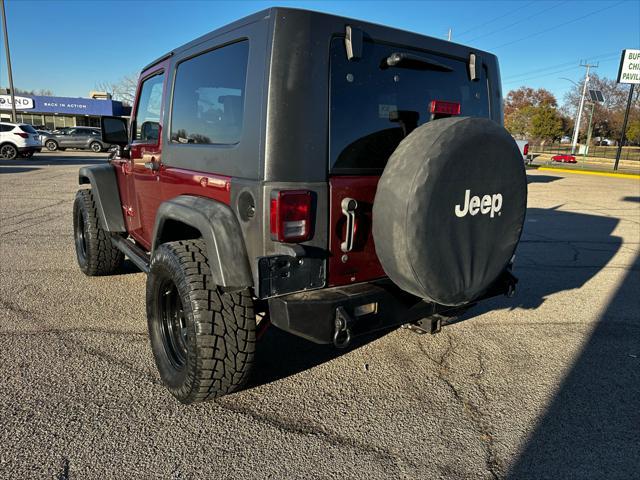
x=490 y=204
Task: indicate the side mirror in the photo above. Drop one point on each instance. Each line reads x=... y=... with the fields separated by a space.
x=114 y=130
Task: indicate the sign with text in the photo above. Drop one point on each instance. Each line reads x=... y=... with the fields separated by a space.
x=22 y=103
x=64 y=105
x=629 y=71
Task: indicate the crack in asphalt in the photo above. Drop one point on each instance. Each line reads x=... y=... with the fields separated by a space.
x=62 y=336
x=307 y=429
x=283 y=425
x=470 y=409
x=46 y=220
x=60 y=202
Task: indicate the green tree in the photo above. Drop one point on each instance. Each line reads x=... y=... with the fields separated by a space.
x=633 y=131
x=521 y=105
x=546 y=123
x=519 y=121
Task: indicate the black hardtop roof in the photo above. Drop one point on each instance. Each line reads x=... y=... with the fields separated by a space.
x=275 y=12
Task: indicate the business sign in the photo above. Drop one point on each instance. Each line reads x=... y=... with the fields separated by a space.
x=629 y=71
x=65 y=105
x=22 y=103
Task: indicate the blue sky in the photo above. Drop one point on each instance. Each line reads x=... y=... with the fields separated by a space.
x=69 y=46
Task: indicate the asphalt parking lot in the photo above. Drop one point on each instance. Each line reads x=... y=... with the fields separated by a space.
x=544 y=385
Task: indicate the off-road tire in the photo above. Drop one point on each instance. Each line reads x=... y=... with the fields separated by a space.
x=51 y=145
x=216 y=330
x=95 y=147
x=95 y=252
x=8 y=152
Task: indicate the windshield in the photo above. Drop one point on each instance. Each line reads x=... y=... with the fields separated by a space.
x=375 y=105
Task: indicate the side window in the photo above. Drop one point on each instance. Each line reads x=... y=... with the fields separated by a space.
x=5 y=128
x=208 y=96
x=147 y=121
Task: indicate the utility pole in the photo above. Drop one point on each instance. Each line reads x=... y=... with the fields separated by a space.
x=576 y=127
x=6 y=48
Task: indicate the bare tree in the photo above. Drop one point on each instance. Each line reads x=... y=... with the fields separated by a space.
x=123 y=90
x=43 y=91
x=608 y=116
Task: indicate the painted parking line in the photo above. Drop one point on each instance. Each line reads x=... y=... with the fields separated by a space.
x=591 y=172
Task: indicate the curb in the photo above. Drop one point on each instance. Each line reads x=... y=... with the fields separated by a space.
x=592 y=172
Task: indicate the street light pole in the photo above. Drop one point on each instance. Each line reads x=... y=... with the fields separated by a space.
x=576 y=127
x=6 y=48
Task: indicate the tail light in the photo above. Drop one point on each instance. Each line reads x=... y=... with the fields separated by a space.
x=290 y=215
x=525 y=150
x=20 y=134
x=440 y=107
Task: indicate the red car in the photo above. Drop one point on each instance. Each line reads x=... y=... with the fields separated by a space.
x=564 y=158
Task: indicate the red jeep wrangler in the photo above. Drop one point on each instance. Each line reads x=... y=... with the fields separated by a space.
x=325 y=175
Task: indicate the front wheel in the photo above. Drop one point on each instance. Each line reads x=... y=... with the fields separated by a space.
x=95 y=147
x=95 y=252
x=203 y=339
x=51 y=145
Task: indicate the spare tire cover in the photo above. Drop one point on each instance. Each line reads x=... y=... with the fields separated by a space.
x=449 y=209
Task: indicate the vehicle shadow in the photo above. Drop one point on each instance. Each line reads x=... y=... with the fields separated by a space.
x=301 y=354
x=558 y=251
x=542 y=178
x=10 y=169
x=40 y=161
x=591 y=429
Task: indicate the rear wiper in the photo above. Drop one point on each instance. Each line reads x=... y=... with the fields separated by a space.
x=415 y=62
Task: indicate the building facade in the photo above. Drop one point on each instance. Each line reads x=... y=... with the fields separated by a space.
x=57 y=112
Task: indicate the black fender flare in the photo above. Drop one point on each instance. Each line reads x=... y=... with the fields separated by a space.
x=106 y=194
x=220 y=231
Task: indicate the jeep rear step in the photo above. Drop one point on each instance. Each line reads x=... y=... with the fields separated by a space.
x=132 y=251
x=336 y=315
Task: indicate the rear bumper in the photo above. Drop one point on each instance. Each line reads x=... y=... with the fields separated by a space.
x=318 y=315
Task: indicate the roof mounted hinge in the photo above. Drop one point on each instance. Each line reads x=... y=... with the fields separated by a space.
x=353 y=42
x=475 y=62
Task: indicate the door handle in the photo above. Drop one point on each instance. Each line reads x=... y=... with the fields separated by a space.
x=349 y=206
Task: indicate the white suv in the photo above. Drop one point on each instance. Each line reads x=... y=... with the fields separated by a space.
x=18 y=139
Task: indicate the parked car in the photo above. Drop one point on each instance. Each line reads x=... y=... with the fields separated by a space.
x=370 y=134
x=83 y=138
x=523 y=146
x=564 y=158
x=18 y=139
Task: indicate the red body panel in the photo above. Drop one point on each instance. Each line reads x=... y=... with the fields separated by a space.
x=143 y=189
x=362 y=262
x=178 y=181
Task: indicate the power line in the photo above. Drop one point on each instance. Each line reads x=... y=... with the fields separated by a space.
x=540 y=32
x=496 y=19
x=551 y=73
x=500 y=30
x=559 y=65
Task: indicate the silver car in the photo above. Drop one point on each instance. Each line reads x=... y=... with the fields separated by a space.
x=83 y=138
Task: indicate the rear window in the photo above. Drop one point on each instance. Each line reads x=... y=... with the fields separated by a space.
x=374 y=108
x=28 y=129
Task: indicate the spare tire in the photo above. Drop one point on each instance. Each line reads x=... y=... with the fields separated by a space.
x=449 y=209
